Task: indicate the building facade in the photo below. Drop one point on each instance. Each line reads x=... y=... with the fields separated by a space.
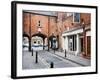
x=41 y=28
x=77 y=37
x=68 y=31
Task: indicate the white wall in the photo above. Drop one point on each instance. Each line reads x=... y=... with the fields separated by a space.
x=63 y=45
x=5 y=40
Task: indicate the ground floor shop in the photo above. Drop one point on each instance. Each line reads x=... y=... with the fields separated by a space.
x=76 y=42
x=40 y=41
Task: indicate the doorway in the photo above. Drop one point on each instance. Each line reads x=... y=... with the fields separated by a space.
x=81 y=43
x=88 y=45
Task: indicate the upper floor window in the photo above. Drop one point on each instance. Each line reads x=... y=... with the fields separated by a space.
x=76 y=17
x=39 y=25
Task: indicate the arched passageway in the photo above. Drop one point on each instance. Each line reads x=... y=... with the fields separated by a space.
x=25 y=41
x=37 y=43
x=39 y=40
x=53 y=41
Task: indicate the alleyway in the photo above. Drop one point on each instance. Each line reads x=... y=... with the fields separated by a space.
x=45 y=59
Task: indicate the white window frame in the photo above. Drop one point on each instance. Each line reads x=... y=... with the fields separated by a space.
x=74 y=18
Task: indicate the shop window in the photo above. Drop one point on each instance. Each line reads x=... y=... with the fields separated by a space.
x=72 y=43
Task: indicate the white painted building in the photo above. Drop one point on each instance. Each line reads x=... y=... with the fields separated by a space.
x=73 y=40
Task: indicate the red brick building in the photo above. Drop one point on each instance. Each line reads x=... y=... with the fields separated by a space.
x=77 y=34
x=41 y=24
x=67 y=31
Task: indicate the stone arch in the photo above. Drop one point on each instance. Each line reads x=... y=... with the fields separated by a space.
x=26 y=35
x=25 y=41
x=42 y=36
x=53 y=41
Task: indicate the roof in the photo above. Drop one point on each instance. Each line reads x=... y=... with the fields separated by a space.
x=46 y=13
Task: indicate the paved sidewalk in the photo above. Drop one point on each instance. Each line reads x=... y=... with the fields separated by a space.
x=74 y=58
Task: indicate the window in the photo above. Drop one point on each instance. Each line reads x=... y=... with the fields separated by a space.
x=72 y=43
x=39 y=23
x=76 y=17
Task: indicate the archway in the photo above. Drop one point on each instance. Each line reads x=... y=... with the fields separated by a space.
x=39 y=39
x=25 y=42
x=53 y=41
x=37 y=43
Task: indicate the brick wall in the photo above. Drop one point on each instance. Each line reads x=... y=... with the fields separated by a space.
x=52 y=24
x=48 y=24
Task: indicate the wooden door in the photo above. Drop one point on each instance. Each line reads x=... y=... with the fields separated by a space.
x=88 y=45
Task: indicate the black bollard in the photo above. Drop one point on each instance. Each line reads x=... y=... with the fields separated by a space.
x=36 y=58
x=65 y=53
x=51 y=65
x=54 y=50
x=32 y=52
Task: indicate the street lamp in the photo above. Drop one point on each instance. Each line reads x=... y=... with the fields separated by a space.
x=30 y=32
x=48 y=32
x=54 y=44
x=84 y=38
